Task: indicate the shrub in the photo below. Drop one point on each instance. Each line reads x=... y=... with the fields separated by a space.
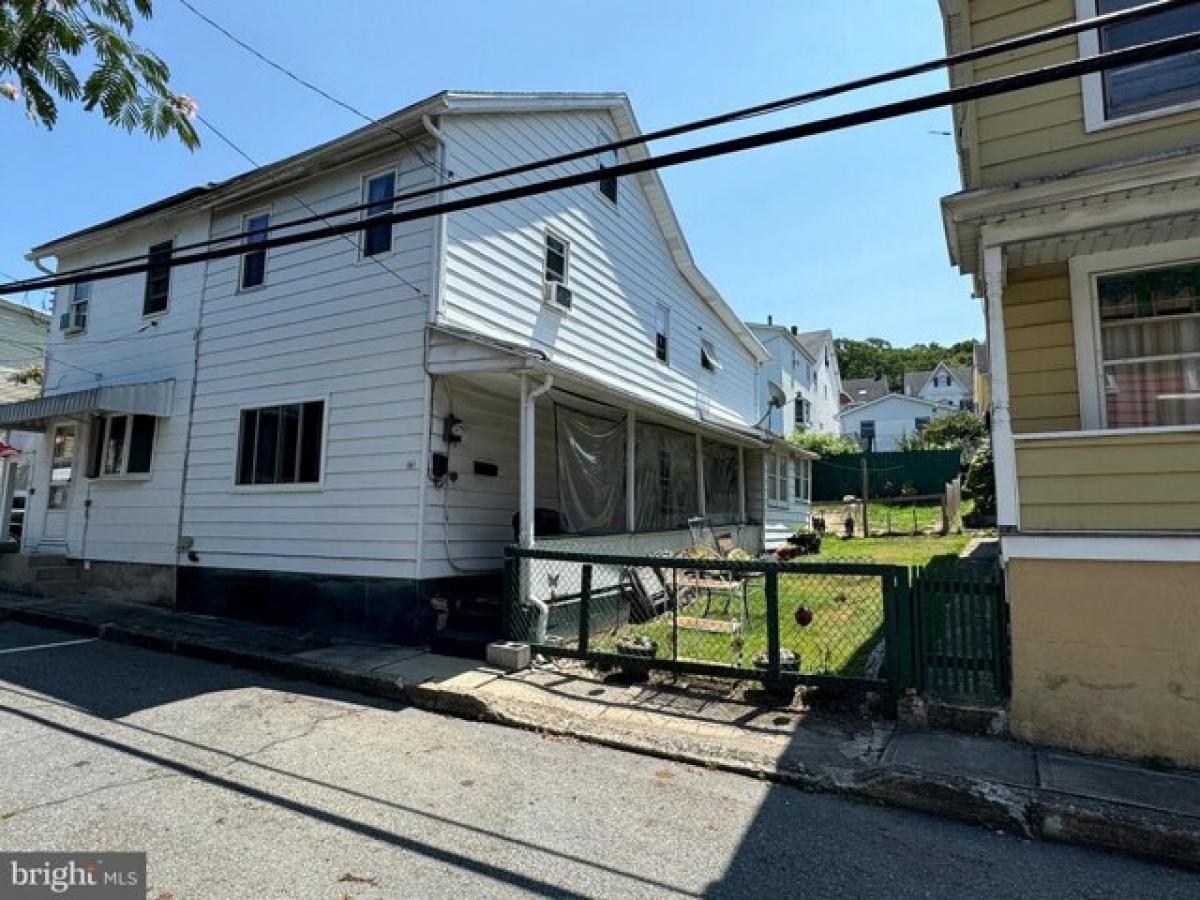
x=980 y=483
x=823 y=444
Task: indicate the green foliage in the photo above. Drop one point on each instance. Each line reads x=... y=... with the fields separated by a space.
x=127 y=84
x=911 y=441
x=959 y=429
x=875 y=356
x=823 y=444
x=32 y=374
x=980 y=483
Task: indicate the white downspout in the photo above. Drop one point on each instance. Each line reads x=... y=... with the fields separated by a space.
x=525 y=515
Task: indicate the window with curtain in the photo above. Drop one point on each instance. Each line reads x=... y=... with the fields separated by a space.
x=665 y=473
x=1150 y=346
x=591 y=471
x=721 y=483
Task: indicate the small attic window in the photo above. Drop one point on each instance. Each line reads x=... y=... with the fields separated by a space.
x=708 y=355
x=607 y=185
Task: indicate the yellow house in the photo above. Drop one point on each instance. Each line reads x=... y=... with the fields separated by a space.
x=1079 y=220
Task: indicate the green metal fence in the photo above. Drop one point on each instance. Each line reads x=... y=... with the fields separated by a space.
x=891 y=474
x=962 y=633
x=778 y=623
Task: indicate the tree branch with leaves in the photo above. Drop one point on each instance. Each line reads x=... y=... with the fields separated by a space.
x=43 y=43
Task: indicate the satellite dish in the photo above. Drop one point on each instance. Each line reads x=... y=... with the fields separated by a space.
x=778 y=397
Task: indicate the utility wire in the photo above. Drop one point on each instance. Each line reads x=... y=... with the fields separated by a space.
x=1148 y=52
x=1006 y=46
x=972 y=55
x=224 y=137
x=308 y=84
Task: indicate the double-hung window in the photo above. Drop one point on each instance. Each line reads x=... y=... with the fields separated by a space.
x=121 y=445
x=158 y=279
x=75 y=318
x=254 y=261
x=802 y=479
x=777 y=478
x=281 y=444
x=1142 y=89
x=1149 y=327
x=556 y=259
x=662 y=333
x=379 y=191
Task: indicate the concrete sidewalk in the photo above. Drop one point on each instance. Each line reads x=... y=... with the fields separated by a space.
x=995 y=783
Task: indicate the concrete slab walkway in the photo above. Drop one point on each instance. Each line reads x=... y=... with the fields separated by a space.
x=997 y=783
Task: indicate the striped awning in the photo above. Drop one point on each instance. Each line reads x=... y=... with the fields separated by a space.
x=150 y=398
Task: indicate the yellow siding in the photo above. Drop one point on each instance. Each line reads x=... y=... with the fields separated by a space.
x=1106 y=656
x=1040 y=131
x=1040 y=345
x=1139 y=482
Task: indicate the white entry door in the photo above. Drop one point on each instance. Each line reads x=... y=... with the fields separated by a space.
x=58 y=491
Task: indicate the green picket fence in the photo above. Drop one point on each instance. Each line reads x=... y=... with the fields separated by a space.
x=960 y=624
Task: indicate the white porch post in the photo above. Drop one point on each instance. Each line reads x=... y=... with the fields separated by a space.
x=741 y=485
x=630 y=460
x=528 y=437
x=8 y=477
x=1008 y=509
x=700 y=503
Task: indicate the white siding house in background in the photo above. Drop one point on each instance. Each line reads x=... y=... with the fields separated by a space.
x=952 y=386
x=22 y=345
x=334 y=433
x=879 y=424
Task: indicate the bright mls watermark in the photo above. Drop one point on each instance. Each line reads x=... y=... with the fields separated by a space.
x=95 y=876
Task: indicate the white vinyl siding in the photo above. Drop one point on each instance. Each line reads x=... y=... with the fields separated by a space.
x=620 y=270
x=326 y=324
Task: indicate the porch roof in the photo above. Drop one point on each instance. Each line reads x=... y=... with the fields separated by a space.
x=151 y=398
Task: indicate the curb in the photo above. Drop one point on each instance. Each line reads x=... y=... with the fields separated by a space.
x=1025 y=812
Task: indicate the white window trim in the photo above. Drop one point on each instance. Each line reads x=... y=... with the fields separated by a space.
x=1093 y=83
x=174 y=239
x=662 y=308
x=778 y=463
x=304 y=487
x=74 y=330
x=1085 y=316
x=546 y=235
x=270 y=214
x=124 y=474
x=394 y=171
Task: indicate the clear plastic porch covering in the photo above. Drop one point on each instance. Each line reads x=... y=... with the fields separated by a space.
x=720 y=483
x=665 y=478
x=591 y=471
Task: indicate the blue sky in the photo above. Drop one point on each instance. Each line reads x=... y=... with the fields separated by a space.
x=838 y=231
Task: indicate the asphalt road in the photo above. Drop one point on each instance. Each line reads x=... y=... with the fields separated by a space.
x=240 y=785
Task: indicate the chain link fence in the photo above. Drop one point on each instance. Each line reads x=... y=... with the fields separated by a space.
x=771 y=621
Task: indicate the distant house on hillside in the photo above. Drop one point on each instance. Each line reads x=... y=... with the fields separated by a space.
x=948 y=385
x=864 y=390
x=804 y=365
x=879 y=424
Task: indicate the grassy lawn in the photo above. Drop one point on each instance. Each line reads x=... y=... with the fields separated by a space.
x=847 y=611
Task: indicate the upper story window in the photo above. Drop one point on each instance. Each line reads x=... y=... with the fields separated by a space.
x=378 y=192
x=254 y=262
x=1150 y=346
x=708 y=355
x=803 y=411
x=281 y=444
x=1143 y=89
x=74 y=319
x=608 y=185
x=158 y=279
x=557 y=259
x=662 y=334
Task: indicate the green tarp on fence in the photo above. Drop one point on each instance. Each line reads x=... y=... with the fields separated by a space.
x=893 y=474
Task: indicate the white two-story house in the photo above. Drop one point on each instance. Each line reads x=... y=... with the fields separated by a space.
x=952 y=386
x=331 y=433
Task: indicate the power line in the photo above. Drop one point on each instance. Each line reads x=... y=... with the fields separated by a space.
x=1148 y=52
x=306 y=83
x=209 y=125
x=1000 y=47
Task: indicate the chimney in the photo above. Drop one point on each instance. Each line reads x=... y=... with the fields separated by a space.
x=795 y=330
x=770 y=319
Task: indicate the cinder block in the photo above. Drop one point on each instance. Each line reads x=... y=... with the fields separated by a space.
x=508 y=655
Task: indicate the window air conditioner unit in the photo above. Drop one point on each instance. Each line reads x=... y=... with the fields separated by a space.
x=557 y=294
